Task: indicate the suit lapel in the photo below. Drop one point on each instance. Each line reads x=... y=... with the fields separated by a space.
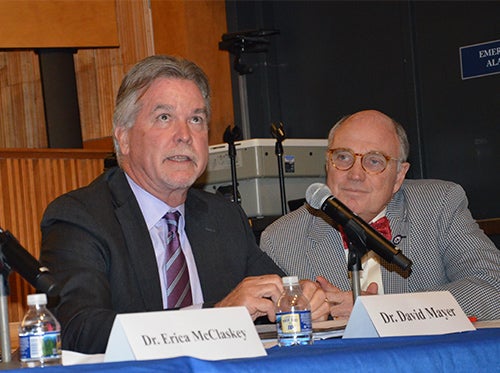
x=139 y=246
x=202 y=230
x=326 y=248
x=398 y=219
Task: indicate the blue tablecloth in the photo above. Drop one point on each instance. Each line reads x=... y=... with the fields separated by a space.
x=476 y=351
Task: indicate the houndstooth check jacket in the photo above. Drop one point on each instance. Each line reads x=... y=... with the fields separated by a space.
x=430 y=223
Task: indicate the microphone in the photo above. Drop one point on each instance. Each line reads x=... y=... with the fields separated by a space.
x=319 y=197
x=278 y=132
x=14 y=256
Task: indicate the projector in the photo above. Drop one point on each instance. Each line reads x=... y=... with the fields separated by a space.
x=258 y=175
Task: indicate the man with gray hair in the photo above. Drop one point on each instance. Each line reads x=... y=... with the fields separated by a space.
x=139 y=238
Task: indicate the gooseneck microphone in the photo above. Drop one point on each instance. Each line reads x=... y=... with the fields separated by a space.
x=14 y=256
x=319 y=197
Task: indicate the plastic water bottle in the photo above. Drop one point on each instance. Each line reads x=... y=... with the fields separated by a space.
x=293 y=315
x=39 y=335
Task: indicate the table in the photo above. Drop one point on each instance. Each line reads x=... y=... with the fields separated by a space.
x=476 y=351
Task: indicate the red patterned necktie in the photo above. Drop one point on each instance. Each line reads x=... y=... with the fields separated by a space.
x=178 y=286
x=381 y=225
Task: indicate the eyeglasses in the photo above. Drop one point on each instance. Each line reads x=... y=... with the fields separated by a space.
x=372 y=162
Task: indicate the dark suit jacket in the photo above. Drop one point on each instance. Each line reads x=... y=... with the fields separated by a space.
x=96 y=243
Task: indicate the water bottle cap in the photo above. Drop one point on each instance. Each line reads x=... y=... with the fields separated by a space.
x=37 y=299
x=290 y=280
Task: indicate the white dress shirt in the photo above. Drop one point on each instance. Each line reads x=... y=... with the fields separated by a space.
x=371 y=266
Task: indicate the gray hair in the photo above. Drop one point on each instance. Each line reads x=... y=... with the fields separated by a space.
x=404 y=145
x=142 y=76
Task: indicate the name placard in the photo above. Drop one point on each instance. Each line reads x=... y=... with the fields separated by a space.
x=389 y=315
x=209 y=334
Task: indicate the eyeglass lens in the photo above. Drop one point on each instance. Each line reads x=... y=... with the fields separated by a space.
x=371 y=162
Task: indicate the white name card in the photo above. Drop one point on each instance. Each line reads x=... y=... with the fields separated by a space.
x=406 y=314
x=209 y=334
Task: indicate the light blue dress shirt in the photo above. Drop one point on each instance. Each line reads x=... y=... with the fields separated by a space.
x=153 y=210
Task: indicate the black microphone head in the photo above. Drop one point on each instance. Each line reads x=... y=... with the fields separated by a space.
x=20 y=260
x=316 y=195
x=45 y=283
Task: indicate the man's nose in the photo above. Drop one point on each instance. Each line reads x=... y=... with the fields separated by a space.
x=183 y=131
x=356 y=172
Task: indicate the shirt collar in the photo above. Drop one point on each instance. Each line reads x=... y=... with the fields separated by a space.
x=152 y=208
x=380 y=215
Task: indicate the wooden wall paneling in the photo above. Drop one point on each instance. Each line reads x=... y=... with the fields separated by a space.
x=109 y=76
x=30 y=181
x=103 y=143
x=57 y=23
x=97 y=73
x=22 y=119
x=135 y=31
x=88 y=99
x=100 y=71
x=193 y=31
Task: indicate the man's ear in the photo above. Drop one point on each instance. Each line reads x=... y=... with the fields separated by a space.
x=122 y=137
x=400 y=176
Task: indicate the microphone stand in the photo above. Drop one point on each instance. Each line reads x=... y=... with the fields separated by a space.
x=279 y=134
x=354 y=266
x=356 y=251
x=4 y=314
x=14 y=257
x=239 y=43
x=230 y=136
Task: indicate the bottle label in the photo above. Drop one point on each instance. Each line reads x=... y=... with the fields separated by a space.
x=40 y=346
x=294 y=322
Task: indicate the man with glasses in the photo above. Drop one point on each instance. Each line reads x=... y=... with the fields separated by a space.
x=428 y=220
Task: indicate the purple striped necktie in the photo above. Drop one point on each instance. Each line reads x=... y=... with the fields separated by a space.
x=178 y=286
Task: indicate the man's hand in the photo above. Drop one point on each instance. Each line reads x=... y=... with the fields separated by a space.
x=341 y=302
x=319 y=308
x=258 y=294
